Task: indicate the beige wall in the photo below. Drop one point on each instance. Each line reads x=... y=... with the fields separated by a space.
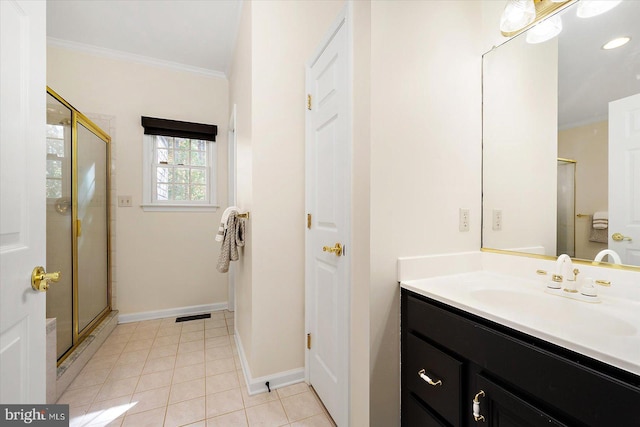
x=425 y=158
x=361 y=214
x=588 y=145
x=163 y=260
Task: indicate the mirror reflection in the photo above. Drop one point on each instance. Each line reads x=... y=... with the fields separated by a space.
x=561 y=140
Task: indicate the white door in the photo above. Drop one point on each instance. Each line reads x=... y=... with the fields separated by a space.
x=624 y=178
x=328 y=148
x=232 y=174
x=22 y=200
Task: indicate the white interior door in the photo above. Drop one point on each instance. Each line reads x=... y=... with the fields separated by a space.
x=328 y=147
x=22 y=200
x=233 y=195
x=624 y=178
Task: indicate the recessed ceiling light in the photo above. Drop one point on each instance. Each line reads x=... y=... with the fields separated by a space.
x=617 y=42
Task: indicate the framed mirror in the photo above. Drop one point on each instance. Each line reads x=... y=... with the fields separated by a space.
x=561 y=140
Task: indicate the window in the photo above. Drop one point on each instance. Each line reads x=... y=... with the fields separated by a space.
x=55 y=158
x=179 y=166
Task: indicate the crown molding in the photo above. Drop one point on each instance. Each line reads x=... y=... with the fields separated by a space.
x=126 y=56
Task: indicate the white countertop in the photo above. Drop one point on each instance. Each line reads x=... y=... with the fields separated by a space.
x=608 y=331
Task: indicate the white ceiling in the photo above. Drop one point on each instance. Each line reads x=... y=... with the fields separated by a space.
x=196 y=34
x=590 y=77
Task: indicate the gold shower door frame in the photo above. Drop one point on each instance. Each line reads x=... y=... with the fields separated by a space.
x=76 y=119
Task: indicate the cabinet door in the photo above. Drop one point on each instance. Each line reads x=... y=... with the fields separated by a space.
x=502 y=408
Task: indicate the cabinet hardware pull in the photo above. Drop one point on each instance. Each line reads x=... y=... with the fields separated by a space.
x=424 y=376
x=476 y=407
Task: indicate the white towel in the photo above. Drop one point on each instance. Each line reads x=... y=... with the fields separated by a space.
x=601 y=220
x=223 y=222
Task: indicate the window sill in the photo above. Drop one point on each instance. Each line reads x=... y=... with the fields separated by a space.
x=178 y=208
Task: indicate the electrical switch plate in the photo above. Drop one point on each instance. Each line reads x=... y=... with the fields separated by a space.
x=124 y=201
x=497 y=219
x=464 y=220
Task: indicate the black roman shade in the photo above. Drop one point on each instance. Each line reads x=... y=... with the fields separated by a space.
x=154 y=126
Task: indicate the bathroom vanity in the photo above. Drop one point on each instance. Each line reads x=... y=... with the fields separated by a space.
x=452 y=357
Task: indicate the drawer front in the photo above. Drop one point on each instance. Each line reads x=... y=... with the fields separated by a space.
x=415 y=415
x=443 y=398
x=588 y=396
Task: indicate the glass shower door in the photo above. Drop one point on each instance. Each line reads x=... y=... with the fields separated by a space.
x=566 y=227
x=92 y=224
x=60 y=221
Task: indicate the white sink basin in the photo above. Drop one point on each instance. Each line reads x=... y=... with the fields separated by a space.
x=555 y=311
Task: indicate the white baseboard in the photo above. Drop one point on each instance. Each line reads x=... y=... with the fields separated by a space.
x=277 y=380
x=172 y=312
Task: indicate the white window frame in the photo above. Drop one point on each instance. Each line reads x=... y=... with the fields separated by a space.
x=149 y=181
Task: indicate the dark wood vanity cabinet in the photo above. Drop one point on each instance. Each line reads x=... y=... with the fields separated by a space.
x=449 y=356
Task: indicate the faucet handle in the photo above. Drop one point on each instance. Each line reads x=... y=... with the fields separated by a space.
x=575 y=274
x=588 y=289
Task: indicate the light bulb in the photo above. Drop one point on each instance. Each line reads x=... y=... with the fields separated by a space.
x=517 y=14
x=591 y=8
x=546 y=30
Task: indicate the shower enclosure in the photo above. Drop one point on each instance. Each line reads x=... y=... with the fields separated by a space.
x=566 y=225
x=78 y=206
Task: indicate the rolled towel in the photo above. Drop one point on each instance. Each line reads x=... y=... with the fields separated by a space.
x=601 y=220
x=601 y=215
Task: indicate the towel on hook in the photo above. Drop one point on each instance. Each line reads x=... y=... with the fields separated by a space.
x=223 y=222
x=600 y=220
x=233 y=239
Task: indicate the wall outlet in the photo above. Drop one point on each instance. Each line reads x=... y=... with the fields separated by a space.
x=497 y=219
x=124 y=201
x=464 y=220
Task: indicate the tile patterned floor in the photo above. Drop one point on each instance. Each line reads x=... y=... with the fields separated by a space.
x=161 y=373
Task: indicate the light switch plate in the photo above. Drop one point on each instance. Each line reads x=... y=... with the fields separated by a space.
x=124 y=201
x=497 y=219
x=464 y=220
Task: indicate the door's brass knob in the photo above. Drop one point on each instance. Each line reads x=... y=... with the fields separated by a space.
x=40 y=280
x=619 y=237
x=337 y=249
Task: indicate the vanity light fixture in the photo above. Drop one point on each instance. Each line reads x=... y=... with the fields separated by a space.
x=545 y=30
x=591 y=8
x=617 y=42
x=518 y=15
